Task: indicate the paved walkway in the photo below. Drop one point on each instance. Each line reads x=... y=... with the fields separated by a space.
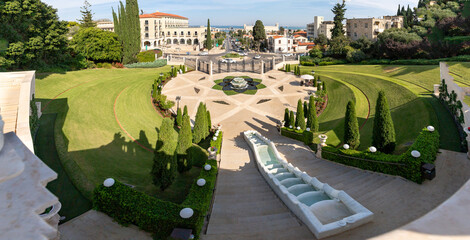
x=246 y=208
x=98 y=226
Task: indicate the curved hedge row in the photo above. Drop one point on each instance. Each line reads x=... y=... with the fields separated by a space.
x=427 y=143
x=303 y=136
x=128 y=206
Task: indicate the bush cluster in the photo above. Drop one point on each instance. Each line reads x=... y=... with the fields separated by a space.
x=128 y=206
x=300 y=135
x=155 y=64
x=427 y=143
x=147 y=56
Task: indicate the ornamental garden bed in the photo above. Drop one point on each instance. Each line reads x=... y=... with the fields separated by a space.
x=231 y=85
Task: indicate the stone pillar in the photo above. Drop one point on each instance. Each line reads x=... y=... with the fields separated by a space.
x=283 y=58
x=262 y=67
x=210 y=68
x=436 y=89
x=197 y=61
x=184 y=60
x=318 y=154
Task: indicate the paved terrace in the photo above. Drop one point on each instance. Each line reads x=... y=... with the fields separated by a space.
x=246 y=208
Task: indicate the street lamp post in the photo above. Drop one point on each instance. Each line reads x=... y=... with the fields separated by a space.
x=178 y=99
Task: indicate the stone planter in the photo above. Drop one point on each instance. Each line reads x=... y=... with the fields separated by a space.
x=323 y=139
x=212 y=153
x=52 y=217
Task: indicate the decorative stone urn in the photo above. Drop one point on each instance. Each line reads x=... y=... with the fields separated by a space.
x=323 y=139
x=212 y=153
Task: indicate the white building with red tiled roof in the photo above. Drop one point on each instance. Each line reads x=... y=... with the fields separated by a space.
x=163 y=29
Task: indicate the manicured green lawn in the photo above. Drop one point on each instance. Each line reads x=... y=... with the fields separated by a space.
x=90 y=141
x=461 y=73
x=73 y=202
x=407 y=89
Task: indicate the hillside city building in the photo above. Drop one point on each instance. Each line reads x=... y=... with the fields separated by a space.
x=371 y=27
x=162 y=29
x=267 y=29
x=320 y=26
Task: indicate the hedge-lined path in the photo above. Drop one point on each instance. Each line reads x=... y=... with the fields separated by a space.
x=246 y=208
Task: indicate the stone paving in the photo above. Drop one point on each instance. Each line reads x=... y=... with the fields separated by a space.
x=246 y=208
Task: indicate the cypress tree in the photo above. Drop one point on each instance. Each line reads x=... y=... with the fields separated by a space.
x=383 y=133
x=351 y=126
x=300 y=118
x=305 y=109
x=164 y=162
x=209 y=123
x=398 y=11
x=315 y=82
x=185 y=138
x=286 y=118
x=312 y=120
x=185 y=111
x=208 y=42
x=200 y=125
x=323 y=86
x=291 y=119
x=127 y=27
x=179 y=118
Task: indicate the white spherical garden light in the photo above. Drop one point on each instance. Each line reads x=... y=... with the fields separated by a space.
x=215 y=138
x=308 y=129
x=290 y=126
x=346 y=146
x=415 y=154
x=373 y=149
x=430 y=128
x=109 y=182
x=201 y=182
x=207 y=167
x=186 y=213
x=298 y=128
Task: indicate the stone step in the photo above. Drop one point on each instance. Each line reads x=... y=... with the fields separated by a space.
x=263 y=225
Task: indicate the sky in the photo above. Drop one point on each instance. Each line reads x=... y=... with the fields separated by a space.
x=238 y=12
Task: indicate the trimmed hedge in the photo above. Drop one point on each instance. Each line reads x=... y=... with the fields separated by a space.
x=303 y=136
x=155 y=64
x=198 y=155
x=128 y=206
x=147 y=56
x=218 y=142
x=427 y=143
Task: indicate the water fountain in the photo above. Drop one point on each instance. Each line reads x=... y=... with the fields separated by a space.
x=239 y=83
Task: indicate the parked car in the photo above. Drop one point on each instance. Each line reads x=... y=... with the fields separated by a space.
x=257 y=57
x=243 y=54
x=228 y=60
x=203 y=53
x=288 y=55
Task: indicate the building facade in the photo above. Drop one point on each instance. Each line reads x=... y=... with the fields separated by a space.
x=163 y=29
x=280 y=44
x=105 y=25
x=372 y=27
x=268 y=29
x=319 y=26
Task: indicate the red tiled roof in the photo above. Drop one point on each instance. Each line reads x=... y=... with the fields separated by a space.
x=160 y=15
x=276 y=37
x=300 y=32
x=307 y=44
x=296 y=36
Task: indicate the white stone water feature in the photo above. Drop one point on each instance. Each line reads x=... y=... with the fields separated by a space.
x=323 y=209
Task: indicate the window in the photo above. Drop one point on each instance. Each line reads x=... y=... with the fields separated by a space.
x=146 y=28
x=195 y=33
x=366 y=25
x=182 y=33
x=189 y=33
x=146 y=35
x=279 y=41
x=163 y=33
x=355 y=25
x=366 y=35
x=355 y=34
x=288 y=49
x=169 y=33
x=288 y=41
x=146 y=22
x=175 y=33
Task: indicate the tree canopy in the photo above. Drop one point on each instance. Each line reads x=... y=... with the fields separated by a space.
x=97 y=45
x=338 y=10
x=33 y=35
x=87 y=16
x=208 y=42
x=259 y=33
